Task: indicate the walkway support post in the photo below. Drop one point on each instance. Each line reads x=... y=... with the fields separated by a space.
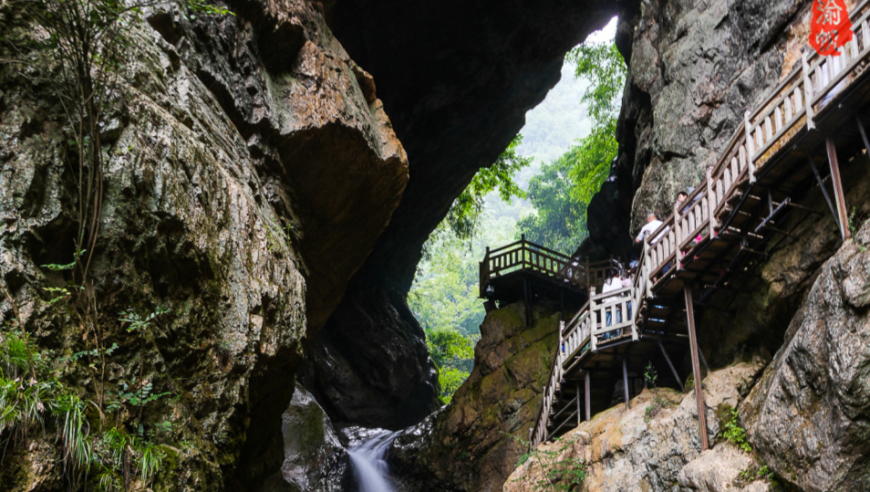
x=587 y=394
x=625 y=381
x=839 y=196
x=579 y=415
x=696 y=366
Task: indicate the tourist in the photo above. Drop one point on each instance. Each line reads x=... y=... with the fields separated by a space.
x=611 y=283
x=652 y=224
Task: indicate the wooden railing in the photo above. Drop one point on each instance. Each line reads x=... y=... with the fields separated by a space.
x=806 y=91
x=792 y=104
x=585 y=331
x=525 y=255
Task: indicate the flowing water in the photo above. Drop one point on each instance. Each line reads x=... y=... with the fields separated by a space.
x=369 y=464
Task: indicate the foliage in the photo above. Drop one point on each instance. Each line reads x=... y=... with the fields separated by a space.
x=558 y=473
x=650 y=375
x=446 y=346
x=453 y=355
x=603 y=66
x=560 y=221
x=444 y=296
x=733 y=432
x=564 y=188
x=450 y=379
x=464 y=215
x=854 y=227
x=114 y=454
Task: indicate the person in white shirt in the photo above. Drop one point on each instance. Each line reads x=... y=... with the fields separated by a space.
x=652 y=223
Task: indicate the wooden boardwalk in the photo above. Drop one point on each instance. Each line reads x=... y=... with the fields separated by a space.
x=784 y=149
x=524 y=270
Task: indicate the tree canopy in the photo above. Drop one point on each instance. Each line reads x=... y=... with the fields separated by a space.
x=464 y=215
x=564 y=188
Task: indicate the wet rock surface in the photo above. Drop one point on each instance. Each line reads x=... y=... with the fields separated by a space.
x=466 y=446
x=372 y=368
x=314 y=457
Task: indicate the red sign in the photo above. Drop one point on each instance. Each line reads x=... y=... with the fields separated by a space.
x=830 y=27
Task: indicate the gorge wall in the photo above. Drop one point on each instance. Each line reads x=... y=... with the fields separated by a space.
x=217 y=160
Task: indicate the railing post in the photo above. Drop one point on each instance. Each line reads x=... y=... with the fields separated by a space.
x=647 y=267
x=750 y=147
x=593 y=320
x=678 y=234
x=808 y=91
x=559 y=348
x=711 y=203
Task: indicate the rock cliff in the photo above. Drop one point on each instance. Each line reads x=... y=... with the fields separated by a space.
x=247 y=176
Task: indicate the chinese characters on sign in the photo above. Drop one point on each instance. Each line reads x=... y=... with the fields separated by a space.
x=830 y=27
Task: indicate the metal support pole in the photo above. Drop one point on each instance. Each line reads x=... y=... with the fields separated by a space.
x=824 y=190
x=625 y=381
x=839 y=196
x=696 y=366
x=587 y=394
x=579 y=415
x=863 y=135
x=671 y=365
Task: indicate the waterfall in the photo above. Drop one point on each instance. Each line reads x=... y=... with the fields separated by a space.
x=370 y=468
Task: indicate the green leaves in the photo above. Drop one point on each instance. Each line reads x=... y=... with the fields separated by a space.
x=453 y=354
x=734 y=432
x=135 y=322
x=564 y=188
x=464 y=215
x=603 y=66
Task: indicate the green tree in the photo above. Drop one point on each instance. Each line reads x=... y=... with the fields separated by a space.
x=464 y=214
x=560 y=221
x=564 y=188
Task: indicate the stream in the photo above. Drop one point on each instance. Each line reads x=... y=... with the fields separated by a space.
x=370 y=468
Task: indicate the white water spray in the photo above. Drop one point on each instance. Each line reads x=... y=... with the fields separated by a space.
x=370 y=467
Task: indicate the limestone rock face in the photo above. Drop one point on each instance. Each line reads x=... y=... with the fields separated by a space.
x=466 y=445
x=808 y=416
x=247 y=176
x=654 y=450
